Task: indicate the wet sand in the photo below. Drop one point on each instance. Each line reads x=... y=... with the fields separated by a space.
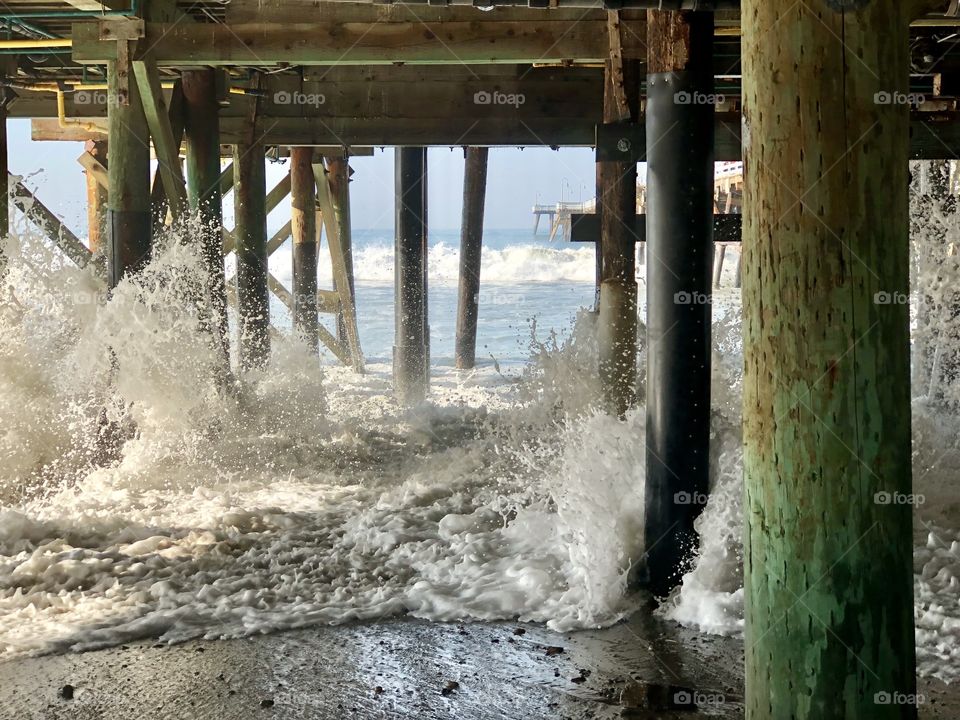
x=643 y=668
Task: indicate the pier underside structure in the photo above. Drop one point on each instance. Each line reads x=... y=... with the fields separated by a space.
x=824 y=102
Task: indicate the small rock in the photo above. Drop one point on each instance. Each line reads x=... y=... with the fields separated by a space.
x=66 y=692
x=581 y=678
x=378 y=690
x=450 y=687
x=554 y=650
x=519 y=631
x=266 y=702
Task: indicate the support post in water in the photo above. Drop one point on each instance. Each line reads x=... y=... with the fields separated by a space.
x=4 y=165
x=303 y=228
x=201 y=126
x=828 y=567
x=471 y=243
x=96 y=196
x=338 y=175
x=617 y=207
x=253 y=299
x=128 y=205
x=680 y=129
x=411 y=349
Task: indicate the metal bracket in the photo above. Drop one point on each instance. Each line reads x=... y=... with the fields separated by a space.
x=125 y=31
x=620 y=142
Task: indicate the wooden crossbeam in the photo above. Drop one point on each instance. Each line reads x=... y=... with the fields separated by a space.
x=38 y=213
x=165 y=143
x=278 y=193
x=159 y=203
x=455 y=42
x=96 y=169
x=341 y=279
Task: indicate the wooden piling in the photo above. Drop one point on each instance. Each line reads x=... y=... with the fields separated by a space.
x=201 y=128
x=250 y=229
x=617 y=207
x=128 y=203
x=680 y=126
x=96 y=196
x=4 y=172
x=827 y=439
x=338 y=175
x=718 y=265
x=411 y=349
x=303 y=227
x=471 y=242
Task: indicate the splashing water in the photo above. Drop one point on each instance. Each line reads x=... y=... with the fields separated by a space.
x=711 y=595
x=306 y=497
x=309 y=496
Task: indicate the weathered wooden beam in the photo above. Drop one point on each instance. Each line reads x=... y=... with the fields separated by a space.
x=52 y=226
x=303 y=227
x=159 y=204
x=201 y=131
x=616 y=208
x=251 y=238
x=454 y=42
x=129 y=238
x=97 y=182
x=828 y=565
x=273 y=198
x=338 y=178
x=166 y=146
x=4 y=201
x=334 y=205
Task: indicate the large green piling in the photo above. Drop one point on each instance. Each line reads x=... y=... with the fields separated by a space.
x=827 y=441
x=250 y=193
x=202 y=132
x=471 y=245
x=303 y=228
x=128 y=202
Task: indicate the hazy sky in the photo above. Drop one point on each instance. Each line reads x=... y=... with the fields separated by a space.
x=517 y=179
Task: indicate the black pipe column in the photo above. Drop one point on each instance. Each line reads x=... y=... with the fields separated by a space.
x=680 y=130
x=471 y=244
x=411 y=351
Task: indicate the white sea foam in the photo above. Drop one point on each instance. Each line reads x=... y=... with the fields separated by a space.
x=524 y=263
x=308 y=496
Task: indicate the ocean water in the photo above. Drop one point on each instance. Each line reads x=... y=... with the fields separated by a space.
x=307 y=495
x=523 y=279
